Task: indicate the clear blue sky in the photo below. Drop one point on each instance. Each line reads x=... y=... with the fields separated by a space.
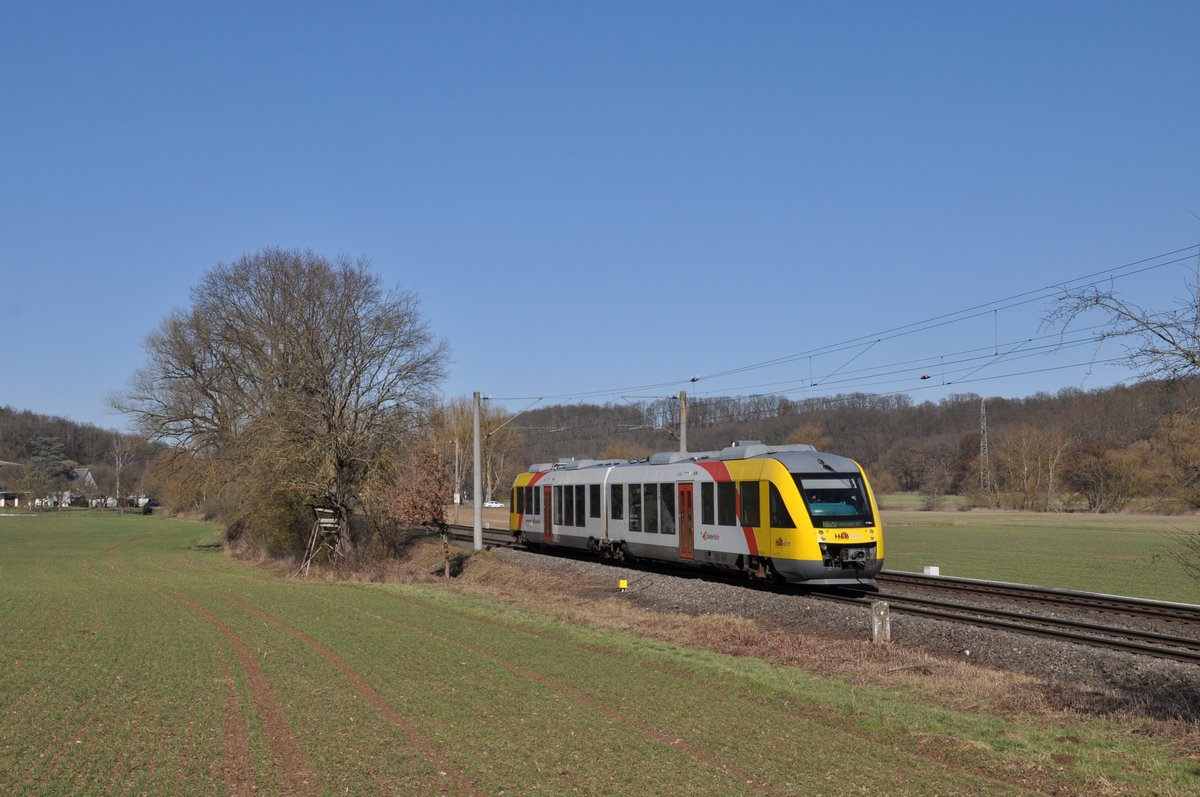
x=593 y=197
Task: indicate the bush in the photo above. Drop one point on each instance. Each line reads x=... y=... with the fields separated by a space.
x=276 y=524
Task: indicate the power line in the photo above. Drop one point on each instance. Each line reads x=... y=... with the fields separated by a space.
x=922 y=365
x=799 y=403
x=866 y=342
x=936 y=322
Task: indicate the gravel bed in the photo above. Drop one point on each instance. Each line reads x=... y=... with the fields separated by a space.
x=1111 y=681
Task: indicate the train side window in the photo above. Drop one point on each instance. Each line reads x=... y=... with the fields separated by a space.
x=666 y=517
x=726 y=504
x=537 y=500
x=635 y=507
x=594 y=497
x=650 y=496
x=781 y=518
x=580 y=520
x=617 y=501
x=568 y=509
x=750 y=504
x=707 y=503
x=558 y=505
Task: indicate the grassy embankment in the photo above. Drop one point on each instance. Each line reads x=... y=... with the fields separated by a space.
x=137 y=658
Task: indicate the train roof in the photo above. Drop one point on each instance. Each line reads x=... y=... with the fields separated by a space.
x=796 y=457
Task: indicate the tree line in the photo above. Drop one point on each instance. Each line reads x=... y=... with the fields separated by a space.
x=1096 y=450
x=51 y=451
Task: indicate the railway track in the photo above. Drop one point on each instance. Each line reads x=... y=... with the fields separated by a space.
x=1131 y=640
x=1088 y=601
x=492 y=538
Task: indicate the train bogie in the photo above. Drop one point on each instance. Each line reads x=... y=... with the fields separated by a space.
x=779 y=512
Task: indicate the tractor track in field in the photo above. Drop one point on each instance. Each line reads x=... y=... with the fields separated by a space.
x=665 y=737
x=293 y=770
x=669 y=740
x=237 y=770
x=463 y=785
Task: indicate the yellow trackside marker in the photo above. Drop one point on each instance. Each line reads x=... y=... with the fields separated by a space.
x=623 y=585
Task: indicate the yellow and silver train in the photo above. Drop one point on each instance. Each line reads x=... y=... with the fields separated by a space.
x=785 y=512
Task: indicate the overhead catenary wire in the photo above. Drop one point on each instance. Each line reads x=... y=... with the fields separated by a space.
x=804 y=404
x=937 y=322
x=865 y=342
x=914 y=368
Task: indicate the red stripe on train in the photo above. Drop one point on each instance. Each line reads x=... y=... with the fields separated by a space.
x=720 y=473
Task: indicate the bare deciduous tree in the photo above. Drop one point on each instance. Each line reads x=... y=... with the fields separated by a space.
x=1029 y=462
x=292 y=372
x=35 y=484
x=1162 y=345
x=1106 y=478
x=1159 y=344
x=936 y=474
x=418 y=495
x=124 y=449
x=1176 y=444
x=499 y=447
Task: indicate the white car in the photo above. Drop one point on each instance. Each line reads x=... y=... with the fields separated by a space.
x=493 y=504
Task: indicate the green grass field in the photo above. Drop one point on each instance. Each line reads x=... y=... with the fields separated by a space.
x=139 y=659
x=1118 y=554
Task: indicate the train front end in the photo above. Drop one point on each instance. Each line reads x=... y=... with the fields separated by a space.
x=837 y=535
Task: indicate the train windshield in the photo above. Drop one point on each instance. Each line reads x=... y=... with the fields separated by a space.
x=835 y=500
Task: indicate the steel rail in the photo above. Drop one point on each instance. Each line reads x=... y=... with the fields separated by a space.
x=1162 y=610
x=501 y=537
x=1178 y=648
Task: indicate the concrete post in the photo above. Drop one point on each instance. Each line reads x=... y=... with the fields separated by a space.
x=881 y=623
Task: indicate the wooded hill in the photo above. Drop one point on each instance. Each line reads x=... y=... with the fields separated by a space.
x=80 y=442
x=1104 y=446
x=1097 y=449
x=55 y=447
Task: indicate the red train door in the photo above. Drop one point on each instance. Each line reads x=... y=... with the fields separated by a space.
x=547 y=514
x=687 y=524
